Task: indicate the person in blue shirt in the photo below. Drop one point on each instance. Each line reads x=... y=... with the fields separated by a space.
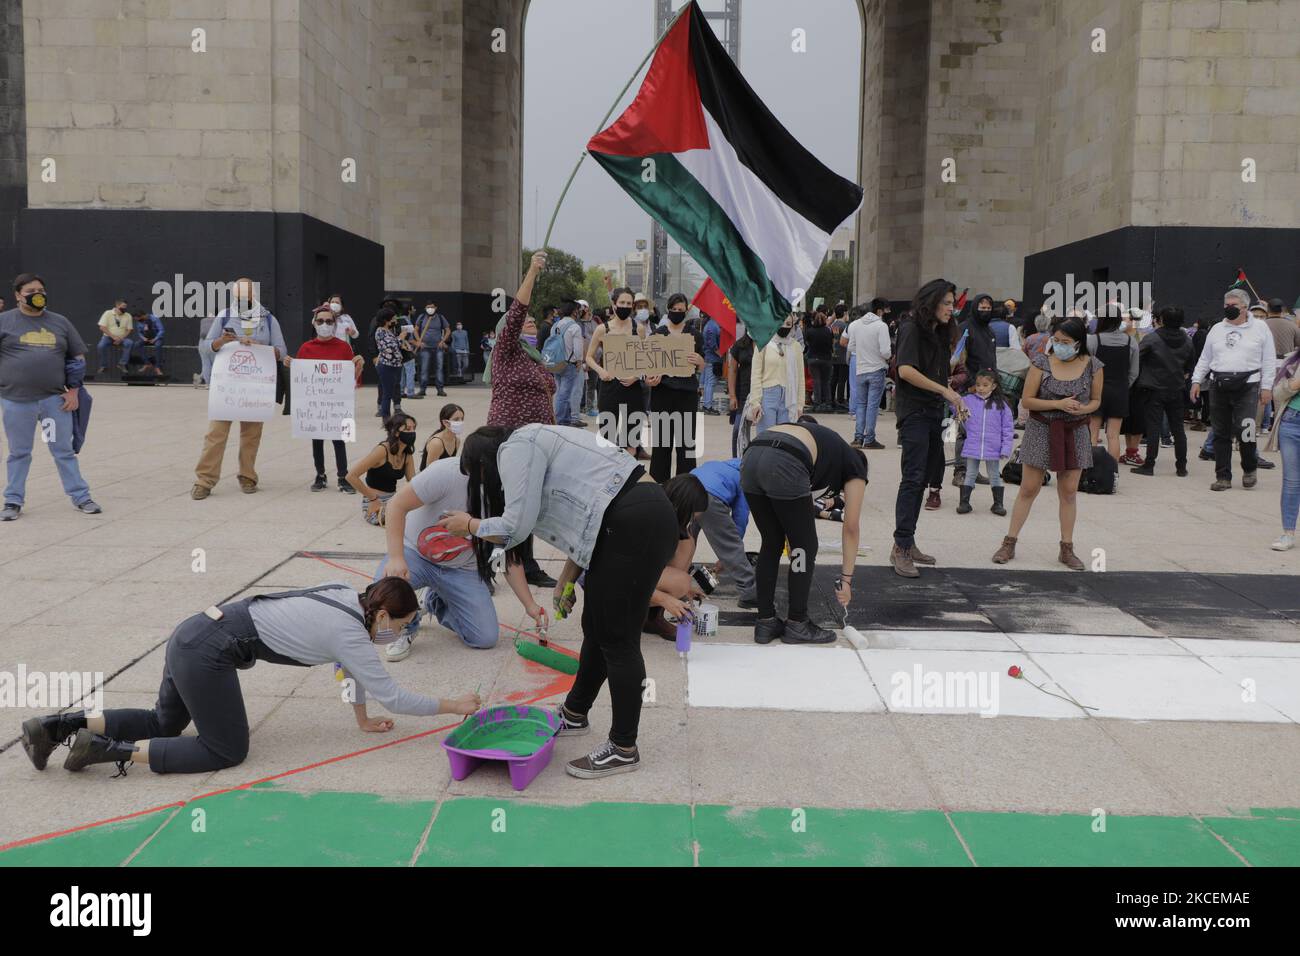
x=460 y=348
x=708 y=379
x=724 y=523
x=150 y=331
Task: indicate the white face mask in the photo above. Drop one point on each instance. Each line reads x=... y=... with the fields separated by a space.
x=336 y=307
x=456 y=427
x=429 y=311
x=642 y=314
x=325 y=330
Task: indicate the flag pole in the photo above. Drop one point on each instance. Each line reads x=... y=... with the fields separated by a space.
x=610 y=112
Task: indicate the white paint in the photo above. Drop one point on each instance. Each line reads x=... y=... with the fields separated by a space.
x=1015 y=697
x=941 y=640
x=1277 y=680
x=779 y=677
x=1096 y=644
x=1204 y=647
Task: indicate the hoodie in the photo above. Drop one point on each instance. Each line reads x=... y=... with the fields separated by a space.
x=981 y=342
x=1164 y=359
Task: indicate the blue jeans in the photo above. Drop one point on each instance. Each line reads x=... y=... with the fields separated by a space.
x=708 y=382
x=568 y=394
x=774 y=410
x=462 y=363
x=992 y=465
x=1288 y=437
x=408 y=378
x=21 y=419
x=390 y=380
x=105 y=343
x=430 y=355
x=870 y=386
x=152 y=351
x=458 y=598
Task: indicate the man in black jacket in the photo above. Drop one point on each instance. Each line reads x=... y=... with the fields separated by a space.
x=1165 y=357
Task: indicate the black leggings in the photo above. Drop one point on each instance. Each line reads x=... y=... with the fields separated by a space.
x=672 y=423
x=780 y=520
x=638 y=536
x=340 y=456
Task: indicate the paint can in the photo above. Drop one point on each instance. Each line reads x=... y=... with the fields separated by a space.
x=706 y=620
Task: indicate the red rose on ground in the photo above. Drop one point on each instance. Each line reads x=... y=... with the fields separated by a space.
x=1014 y=671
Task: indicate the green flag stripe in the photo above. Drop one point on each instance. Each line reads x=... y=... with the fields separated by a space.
x=691 y=216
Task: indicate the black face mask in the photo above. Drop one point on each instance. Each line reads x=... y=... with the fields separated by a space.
x=676 y=318
x=35 y=300
x=1231 y=312
x=407 y=439
x=623 y=311
x=783 y=331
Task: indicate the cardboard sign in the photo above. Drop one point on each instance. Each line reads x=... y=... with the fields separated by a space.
x=322 y=398
x=634 y=356
x=242 y=386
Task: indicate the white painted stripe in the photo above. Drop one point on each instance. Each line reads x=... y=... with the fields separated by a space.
x=791 y=247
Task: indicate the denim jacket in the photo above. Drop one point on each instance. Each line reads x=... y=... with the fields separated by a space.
x=557 y=482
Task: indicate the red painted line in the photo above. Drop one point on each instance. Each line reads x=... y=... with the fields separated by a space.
x=88 y=826
x=341 y=567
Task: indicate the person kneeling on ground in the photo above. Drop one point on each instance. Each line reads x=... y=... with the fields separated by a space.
x=301 y=628
x=388 y=462
x=676 y=588
x=724 y=522
x=593 y=501
x=784 y=469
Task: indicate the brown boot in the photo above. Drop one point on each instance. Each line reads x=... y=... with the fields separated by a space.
x=1069 y=558
x=655 y=624
x=1006 y=552
x=902 y=562
x=919 y=556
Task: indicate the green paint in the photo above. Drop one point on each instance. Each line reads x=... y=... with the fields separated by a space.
x=1022 y=839
x=1267 y=838
x=523 y=731
x=480 y=832
x=781 y=837
x=263 y=827
x=108 y=845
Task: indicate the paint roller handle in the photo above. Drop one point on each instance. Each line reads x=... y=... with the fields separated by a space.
x=565 y=600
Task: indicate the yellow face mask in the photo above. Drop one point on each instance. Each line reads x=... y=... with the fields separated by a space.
x=36 y=300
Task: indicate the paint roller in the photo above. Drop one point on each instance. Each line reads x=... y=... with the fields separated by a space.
x=546 y=656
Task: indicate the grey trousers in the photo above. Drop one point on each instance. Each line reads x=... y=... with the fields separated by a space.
x=727 y=544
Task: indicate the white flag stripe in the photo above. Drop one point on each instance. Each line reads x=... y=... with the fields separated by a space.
x=791 y=247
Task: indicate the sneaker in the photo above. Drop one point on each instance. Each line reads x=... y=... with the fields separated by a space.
x=88 y=507
x=606 y=760
x=873 y=445
x=571 y=725
x=1166 y=443
x=1248 y=479
x=319 y=484
x=933 y=501
x=1221 y=484
x=1206 y=455
x=856 y=443
x=1131 y=458
x=346 y=488
x=1182 y=471
x=768 y=629
x=198 y=492
x=806 y=632
x=11 y=512
x=442 y=393
x=540 y=579
x=400 y=649
x=1262 y=462
x=591 y=413
x=1285 y=543
x=1147 y=470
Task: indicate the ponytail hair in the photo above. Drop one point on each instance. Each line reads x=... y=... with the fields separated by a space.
x=478 y=462
x=391 y=594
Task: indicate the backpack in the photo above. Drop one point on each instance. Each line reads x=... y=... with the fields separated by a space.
x=555 y=352
x=1103 y=477
x=1013 y=471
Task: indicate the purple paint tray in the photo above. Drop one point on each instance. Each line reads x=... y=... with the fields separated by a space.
x=518 y=734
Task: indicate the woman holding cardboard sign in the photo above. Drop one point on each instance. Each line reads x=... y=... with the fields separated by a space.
x=673 y=401
x=328 y=346
x=617 y=398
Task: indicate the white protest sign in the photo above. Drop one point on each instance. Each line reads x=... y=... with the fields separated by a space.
x=323 y=398
x=243 y=384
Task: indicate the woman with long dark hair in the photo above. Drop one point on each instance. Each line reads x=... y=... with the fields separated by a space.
x=617 y=399
x=388 y=462
x=200 y=682
x=1118 y=353
x=926 y=337
x=595 y=503
x=1062 y=390
x=445 y=442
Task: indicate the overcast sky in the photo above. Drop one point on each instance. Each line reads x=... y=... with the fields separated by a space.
x=578 y=55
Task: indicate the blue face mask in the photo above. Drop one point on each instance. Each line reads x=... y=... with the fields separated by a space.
x=1065 y=352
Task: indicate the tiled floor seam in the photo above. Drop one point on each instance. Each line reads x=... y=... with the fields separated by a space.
x=947 y=815
x=149 y=839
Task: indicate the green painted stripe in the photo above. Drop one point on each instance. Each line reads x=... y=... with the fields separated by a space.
x=107 y=845
x=691 y=216
x=1267 y=838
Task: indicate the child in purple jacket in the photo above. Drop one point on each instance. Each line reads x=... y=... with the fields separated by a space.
x=990 y=432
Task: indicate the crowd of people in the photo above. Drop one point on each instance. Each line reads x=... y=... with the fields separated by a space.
x=967 y=374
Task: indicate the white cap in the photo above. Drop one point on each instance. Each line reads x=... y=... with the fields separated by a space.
x=583 y=303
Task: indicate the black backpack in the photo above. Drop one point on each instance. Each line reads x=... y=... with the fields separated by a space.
x=1103 y=477
x=1013 y=471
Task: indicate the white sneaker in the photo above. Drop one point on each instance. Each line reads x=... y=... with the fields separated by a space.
x=1285 y=543
x=399 y=650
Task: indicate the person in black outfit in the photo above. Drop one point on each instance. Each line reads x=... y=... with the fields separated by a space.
x=818 y=343
x=1166 y=357
x=673 y=400
x=924 y=352
x=784 y=470
x=981 y=352
x=740 y=360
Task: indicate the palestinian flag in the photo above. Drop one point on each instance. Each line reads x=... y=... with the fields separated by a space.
x=1241 y=282
x=700 y=153
x=713 y=302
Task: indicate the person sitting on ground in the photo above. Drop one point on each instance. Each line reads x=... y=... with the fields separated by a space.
x=328 y=346
x=200 y=682
x=388 y=461
x=676 y=588
x=445 y=442
x=115 y=326
x=149 y=329
x=724 y=522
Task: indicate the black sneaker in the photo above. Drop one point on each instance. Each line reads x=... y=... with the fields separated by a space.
x=88 y=507
x=441 y=393
x=606 y=760
x=571 y=726
x=11 y=512
x=319 y=483
x=91 y=748
x=806 y=632
x=346 y=488
x=540 y=579
x=768 y=629
x=1206 y=455
x=42 y=734
x=1264 y=463
x=1182 y=471
x=875 y=445
x=1143 y=470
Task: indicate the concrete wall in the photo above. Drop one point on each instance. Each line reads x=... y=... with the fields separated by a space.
x=13 y=143
x=867 y=245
